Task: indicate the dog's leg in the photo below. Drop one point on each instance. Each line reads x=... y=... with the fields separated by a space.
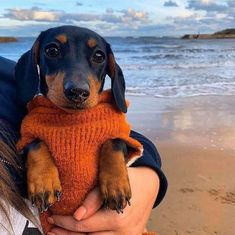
x=44 y=186
x=113 y=177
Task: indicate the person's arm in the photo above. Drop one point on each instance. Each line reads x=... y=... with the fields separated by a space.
x=10 y=117
x=151 y=159
x=9 y=108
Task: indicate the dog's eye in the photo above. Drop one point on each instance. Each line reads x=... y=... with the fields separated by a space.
x=52 y=50
x=98 y=57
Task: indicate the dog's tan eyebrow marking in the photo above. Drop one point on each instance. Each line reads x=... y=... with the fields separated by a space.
x=62 y=38
x=91 y=42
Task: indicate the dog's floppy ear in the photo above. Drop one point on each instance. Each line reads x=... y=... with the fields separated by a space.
x=26 y=74
x=117 y=81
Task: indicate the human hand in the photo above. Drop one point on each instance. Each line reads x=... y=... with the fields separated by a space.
x=90 y=219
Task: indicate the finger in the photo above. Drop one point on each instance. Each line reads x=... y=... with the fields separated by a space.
x=91 y=204
x=103 y=233
x=65 y=222
x=60 y=231
x=98 y=222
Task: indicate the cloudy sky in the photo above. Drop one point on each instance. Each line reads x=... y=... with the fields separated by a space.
x=118 y=17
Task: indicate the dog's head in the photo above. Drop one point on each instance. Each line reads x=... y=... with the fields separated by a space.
x=68 y=64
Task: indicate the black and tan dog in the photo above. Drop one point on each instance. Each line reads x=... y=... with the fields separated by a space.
x=68 y=65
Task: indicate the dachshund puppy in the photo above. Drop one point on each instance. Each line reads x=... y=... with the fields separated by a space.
x=66 y=154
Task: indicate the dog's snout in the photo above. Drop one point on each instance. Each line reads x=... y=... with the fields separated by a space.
x=81 y=93
x=76 y=93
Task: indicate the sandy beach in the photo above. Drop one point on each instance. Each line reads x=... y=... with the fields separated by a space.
x=195 y=137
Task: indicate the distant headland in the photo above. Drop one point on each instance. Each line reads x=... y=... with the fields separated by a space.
x=224 y=34
x=8 y=39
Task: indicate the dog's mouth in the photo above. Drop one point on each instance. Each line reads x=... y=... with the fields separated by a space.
x=75 y=105
x=68 y=105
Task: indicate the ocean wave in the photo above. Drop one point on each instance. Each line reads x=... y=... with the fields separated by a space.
x=153 y=41
x=165 y=67
x=220 y=88
x=159 y=56
x=180 y=49
x=148 y=48
x=182 y=65
x=198 y=50
x=203 y=65
x=167 y=46
x=135 y=93
x=126 y=50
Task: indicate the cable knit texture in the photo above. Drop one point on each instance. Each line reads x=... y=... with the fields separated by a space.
x=74 y=140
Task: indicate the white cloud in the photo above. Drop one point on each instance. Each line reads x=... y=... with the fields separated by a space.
x=34 y=13
x=129 y=15
x=206 y=5
x=110 y=19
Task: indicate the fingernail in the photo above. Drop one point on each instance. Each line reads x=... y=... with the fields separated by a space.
x=50 y=221
x=80 y=213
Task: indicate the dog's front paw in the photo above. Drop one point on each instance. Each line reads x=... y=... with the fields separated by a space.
x=44 y=187
x=115 y=191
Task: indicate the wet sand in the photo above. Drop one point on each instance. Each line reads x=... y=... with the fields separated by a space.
x=196 y=140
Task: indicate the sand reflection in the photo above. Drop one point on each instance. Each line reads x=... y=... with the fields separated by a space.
x=205 y=121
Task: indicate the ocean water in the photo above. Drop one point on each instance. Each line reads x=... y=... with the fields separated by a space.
x=165 y=67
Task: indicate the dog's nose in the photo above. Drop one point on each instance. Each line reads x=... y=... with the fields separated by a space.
x=75 y=93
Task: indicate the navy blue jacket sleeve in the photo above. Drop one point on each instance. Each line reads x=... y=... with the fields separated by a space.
x=151 y=158
x=9 y=110
x=12 y=114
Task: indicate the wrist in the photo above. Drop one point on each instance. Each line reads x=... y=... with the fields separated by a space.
x=145 y=179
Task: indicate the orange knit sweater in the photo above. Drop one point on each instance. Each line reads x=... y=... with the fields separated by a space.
x=74 y=140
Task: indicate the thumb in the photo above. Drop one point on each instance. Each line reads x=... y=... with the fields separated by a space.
x=90 y=205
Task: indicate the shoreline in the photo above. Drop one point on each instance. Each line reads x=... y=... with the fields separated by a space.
x=224 y=34
x=207 y=36
x=6 y=39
